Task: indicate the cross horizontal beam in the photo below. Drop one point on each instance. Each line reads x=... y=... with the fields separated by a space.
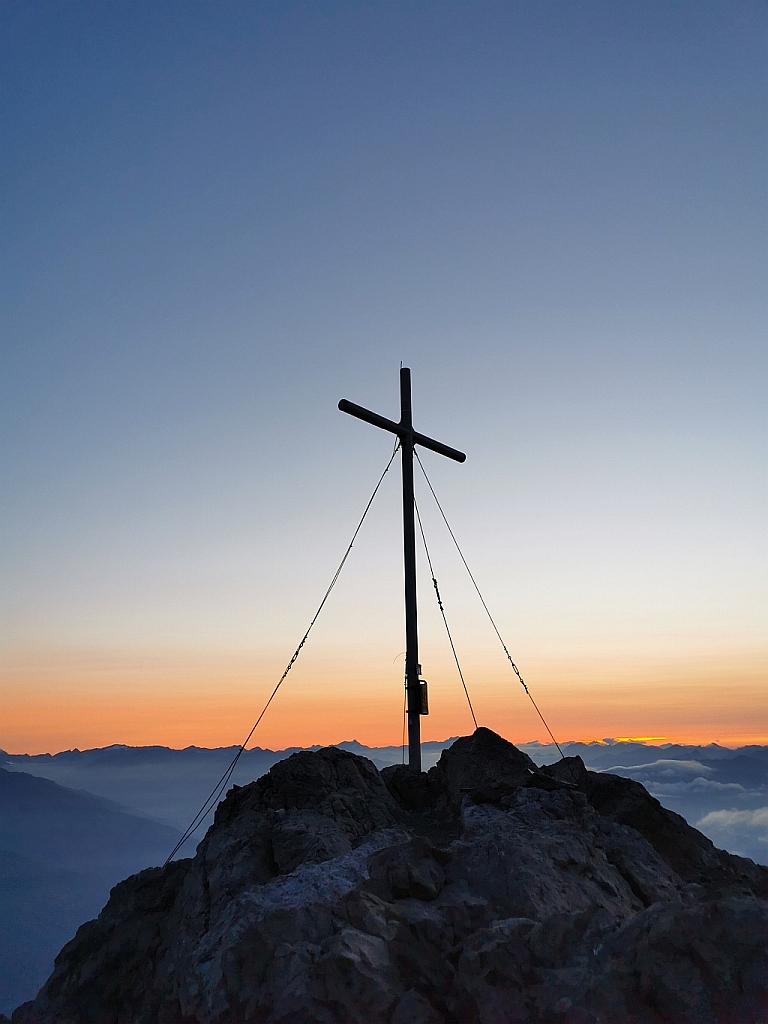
x=401 y=430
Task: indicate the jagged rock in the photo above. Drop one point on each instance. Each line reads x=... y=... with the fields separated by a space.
x=484 y=891
x=414 y=868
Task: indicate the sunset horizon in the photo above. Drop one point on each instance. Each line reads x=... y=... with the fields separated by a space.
x=94 y=700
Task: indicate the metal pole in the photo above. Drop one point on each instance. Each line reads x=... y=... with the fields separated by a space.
x=409 y=550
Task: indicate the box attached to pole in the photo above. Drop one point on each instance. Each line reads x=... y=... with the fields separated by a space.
x=423 y=695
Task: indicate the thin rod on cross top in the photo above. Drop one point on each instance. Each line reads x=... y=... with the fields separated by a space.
x=408 y=439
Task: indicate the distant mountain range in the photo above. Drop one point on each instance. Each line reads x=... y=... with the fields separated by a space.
x=170 y=785
x=74 y=823
x=722 y=791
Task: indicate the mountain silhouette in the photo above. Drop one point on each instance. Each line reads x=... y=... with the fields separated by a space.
x=61 y=851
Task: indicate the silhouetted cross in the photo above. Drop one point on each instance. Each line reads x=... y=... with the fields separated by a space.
x=408 y=438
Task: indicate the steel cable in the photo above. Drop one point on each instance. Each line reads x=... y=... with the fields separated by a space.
x=442 y=612
x=485 y=606
x=220 y=786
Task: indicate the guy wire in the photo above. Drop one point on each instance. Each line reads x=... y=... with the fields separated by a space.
x=442 y=612
x=487 y=610
x=220 y=786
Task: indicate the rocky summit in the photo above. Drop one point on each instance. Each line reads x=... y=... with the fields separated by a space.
x=486 y=890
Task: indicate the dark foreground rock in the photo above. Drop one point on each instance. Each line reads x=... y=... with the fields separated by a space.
x=485 y=891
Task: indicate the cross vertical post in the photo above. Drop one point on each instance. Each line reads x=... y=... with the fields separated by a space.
x=412 y=684
x=409 y=438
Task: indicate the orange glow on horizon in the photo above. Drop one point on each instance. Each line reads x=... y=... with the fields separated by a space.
x=642 y=739
x=74 y=699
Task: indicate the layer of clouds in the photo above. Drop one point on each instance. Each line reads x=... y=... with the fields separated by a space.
x=735 y=819
x=673 y=778
x=665 y=767
x=742 y=832
x=698 y=785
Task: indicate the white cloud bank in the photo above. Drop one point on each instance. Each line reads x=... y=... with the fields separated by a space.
x=742 y=832
x=736 y=819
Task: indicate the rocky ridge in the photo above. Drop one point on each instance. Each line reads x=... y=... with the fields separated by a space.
x=486 y=890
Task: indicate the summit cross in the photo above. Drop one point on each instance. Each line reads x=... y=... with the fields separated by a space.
x=408 y=439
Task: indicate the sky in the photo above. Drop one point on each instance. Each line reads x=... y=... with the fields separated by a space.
x=219 y=219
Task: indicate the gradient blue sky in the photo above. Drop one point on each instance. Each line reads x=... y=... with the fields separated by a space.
x=220 y=218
